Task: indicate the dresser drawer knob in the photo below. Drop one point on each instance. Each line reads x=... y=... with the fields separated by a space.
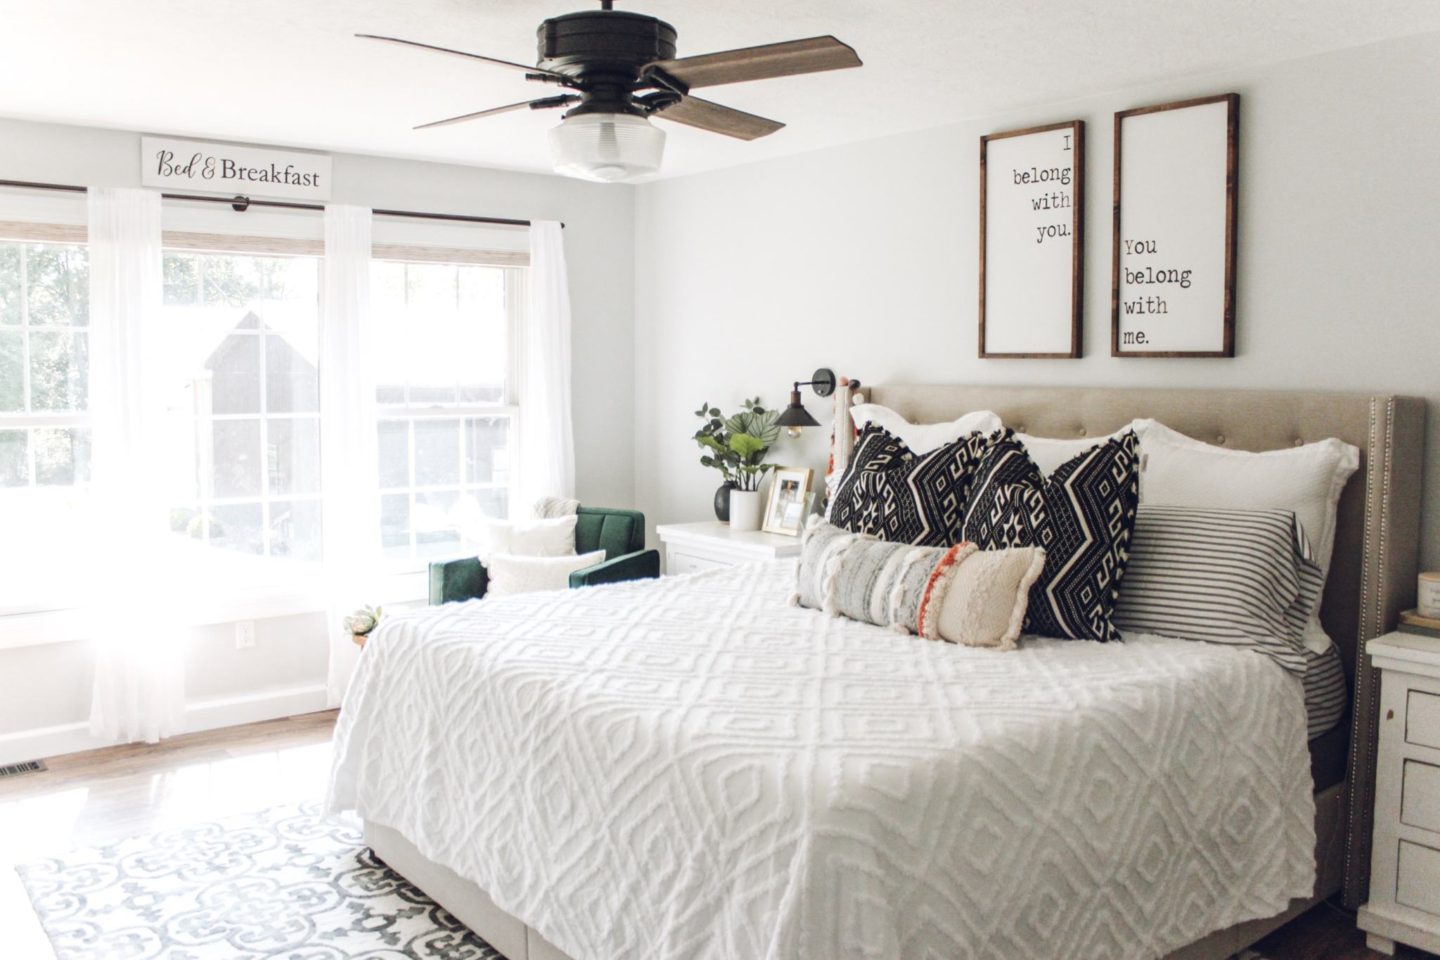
x=1389 y=714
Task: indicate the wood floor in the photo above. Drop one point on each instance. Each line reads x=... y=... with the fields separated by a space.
x=90 y=799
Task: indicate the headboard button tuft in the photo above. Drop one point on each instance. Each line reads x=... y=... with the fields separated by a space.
x=1082 y=431
x=1299 y=442
x=1220 y=439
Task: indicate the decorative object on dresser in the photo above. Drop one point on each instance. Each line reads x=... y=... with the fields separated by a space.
x=362 y=622
x=709 y=545
x=1427 y=594
x=619 y=533
x=795 y=417
x=1404 y=900
x=736 y=446
x=789 y=501
x=1032 y=216
x=1412 y=621
x=1172 y=271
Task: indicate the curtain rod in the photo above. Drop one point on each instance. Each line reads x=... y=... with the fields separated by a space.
x=241 y=204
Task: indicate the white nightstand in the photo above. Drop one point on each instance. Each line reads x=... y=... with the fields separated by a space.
x=710 y=544
x=1405 y=863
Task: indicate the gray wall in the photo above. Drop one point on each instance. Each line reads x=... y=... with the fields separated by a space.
x=864 y=258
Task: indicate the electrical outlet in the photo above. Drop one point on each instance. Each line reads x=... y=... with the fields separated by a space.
x=244 y=634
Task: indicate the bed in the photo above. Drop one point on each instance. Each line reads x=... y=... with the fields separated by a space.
x=690 y=768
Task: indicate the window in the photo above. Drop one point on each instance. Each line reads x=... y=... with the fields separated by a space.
x=44 y=427
x=242 y=396
x=444 y=428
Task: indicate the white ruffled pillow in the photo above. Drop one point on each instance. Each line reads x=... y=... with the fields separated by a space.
x=1048 y=453
x=511 y=574
x=924 y=437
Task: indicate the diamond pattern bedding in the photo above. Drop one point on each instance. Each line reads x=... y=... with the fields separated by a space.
x=692 y=768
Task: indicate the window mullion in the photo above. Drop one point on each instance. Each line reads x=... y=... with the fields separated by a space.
x=261 y=334
x=25 y=385
x=410 y=448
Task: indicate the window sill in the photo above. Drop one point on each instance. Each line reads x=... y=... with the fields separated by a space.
x=37 y=628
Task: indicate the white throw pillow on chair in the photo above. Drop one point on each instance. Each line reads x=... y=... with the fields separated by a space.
x=526 y=538
x=511 y=574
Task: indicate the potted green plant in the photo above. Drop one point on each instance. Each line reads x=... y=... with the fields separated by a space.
x=736 y=446
x=361 y=622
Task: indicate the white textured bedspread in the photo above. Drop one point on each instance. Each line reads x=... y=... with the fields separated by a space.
x=691 y=768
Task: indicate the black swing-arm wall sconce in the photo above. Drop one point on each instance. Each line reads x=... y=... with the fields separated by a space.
x=795 y=417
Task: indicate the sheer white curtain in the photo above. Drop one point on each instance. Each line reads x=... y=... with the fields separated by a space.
x=349 y=471
x=139 y=668
x=546 y=444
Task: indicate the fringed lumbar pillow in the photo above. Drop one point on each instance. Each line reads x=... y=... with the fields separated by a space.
x=961 y=594
x=886 y=584
x=982 y=602
x=821 y=548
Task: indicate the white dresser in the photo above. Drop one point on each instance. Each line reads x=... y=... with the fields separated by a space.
x=690 y=547
x=1405 y=865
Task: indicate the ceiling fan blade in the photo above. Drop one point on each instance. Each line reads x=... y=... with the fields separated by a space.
x=462 y=53
x=493 y=111
x=694 y=112
x=760 y=63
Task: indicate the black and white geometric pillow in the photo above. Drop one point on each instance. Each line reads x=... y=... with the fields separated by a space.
x=895 y=494
x=1083 y=514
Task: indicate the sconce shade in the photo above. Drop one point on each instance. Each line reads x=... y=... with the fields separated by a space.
x=796 y=415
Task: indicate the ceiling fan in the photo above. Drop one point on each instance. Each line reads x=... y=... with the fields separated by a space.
x=617 y=69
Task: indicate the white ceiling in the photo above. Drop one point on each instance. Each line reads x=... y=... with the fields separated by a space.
x=289 y=71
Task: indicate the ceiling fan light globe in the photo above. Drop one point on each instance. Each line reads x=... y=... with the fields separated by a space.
x=607 y=147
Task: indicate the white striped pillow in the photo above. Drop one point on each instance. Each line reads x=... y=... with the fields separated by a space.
x=1244 y=577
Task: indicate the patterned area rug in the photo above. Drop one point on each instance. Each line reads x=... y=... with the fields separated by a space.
x=284 y=883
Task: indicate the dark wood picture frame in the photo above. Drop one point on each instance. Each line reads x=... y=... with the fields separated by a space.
x=1077 y=260
x=1232 y=183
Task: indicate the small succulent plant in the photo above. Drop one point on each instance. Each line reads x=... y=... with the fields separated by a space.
x=362 y=621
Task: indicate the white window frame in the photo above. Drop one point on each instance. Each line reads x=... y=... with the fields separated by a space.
x=23 y=627
x=24 y=232
x=515 y=267
x=202 y=245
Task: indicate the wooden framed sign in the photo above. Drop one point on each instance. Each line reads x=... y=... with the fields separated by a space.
x=1172 y=269
x=232 y=169
x=1032 y=241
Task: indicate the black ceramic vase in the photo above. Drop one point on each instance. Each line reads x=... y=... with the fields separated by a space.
x=722 y=501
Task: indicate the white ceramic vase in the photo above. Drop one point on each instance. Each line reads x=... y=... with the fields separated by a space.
x=746 y=507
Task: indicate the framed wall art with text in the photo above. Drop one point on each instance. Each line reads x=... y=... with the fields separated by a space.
x=1172 y=272
x=1032 y=241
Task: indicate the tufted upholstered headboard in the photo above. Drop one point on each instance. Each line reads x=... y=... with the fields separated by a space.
x=1372 y=576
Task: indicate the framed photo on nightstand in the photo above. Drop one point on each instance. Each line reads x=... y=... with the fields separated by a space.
x=789 y=501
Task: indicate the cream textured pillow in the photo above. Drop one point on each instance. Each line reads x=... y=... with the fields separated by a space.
x=981 y=600
x=527 y=538
x=511 y=574
x=1178 y=471
x=924 y=437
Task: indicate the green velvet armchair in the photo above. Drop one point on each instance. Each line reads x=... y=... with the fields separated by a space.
x=620 y=533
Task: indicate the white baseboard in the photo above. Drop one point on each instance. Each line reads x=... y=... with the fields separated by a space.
x=43 y=742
